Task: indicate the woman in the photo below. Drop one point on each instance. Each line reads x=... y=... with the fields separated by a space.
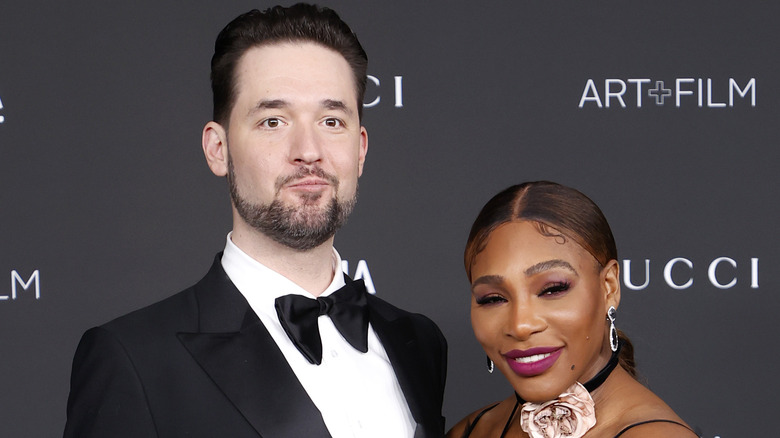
x=544 y=276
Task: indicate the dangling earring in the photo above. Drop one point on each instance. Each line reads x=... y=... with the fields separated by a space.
x=613 y=334
x=489 y=364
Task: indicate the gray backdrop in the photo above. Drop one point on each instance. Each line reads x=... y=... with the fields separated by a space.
x=665 y=113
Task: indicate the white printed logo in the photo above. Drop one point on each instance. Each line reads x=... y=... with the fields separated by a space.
x=721 y=273
x=27 y=286
x=702 y=92
x=361 y=271
x=398 y=91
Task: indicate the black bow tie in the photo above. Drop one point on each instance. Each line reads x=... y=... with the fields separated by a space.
x=346 y=308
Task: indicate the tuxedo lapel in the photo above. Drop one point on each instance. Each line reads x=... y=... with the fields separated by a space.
x=402 y=349
x=234 y=348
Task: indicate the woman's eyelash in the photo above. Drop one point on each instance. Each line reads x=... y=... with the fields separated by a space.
x=556 y=288
x=490 y=299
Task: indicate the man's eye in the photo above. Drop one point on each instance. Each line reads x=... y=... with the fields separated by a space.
x=333 y=123
x=271 y=123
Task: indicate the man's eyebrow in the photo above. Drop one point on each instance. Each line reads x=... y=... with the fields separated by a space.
x=333 y=104
x=330 y=104
x=268 y=104
x=487 y=279
x=549 y=264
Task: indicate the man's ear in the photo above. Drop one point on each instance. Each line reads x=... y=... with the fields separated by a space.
x=363 y=149
x=611 y=284
x=215 y=148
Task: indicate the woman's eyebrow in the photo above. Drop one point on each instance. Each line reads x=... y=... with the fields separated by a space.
x=549 y=264
x=487 y=279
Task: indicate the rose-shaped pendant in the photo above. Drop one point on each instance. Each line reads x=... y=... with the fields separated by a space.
x=572 y=414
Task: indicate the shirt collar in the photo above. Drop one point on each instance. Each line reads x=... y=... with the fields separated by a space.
x=257 y=281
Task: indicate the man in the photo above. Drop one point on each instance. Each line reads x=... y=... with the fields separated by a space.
x=235 y=355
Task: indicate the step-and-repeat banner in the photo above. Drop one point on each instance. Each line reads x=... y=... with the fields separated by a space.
x=665 y=113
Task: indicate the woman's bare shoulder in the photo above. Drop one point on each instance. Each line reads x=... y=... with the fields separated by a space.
x=460 y=427
x=651 y=429
x=486 y=415
x=641 y=413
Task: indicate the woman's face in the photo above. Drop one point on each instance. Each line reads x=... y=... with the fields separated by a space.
x=539 y=306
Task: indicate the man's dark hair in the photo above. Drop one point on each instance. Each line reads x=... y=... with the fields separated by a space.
x=298 y=23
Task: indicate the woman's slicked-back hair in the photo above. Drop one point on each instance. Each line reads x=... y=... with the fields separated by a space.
x=558 y=211
x=555 y=209
x=298 y=23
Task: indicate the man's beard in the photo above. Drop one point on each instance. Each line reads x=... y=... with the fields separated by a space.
x=298 y=227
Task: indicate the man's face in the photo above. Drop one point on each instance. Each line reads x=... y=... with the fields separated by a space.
x=295 y=147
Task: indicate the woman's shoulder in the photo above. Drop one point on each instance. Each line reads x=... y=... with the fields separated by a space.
x=651 y=419
x=657 y=427
x=485 y=417
x=641 y=413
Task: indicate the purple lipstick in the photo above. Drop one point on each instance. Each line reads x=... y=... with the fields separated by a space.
x=532 y=362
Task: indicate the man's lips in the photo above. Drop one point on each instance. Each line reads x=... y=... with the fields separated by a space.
x=309 y=184
x=307 y=178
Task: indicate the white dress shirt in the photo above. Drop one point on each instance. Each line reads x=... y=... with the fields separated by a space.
x=357 y=393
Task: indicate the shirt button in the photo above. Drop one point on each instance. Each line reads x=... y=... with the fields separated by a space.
x=334 y=353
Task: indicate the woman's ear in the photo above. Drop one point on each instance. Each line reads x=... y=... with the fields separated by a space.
x=610 y=278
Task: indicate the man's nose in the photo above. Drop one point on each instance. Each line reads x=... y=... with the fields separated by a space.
x=305 y=147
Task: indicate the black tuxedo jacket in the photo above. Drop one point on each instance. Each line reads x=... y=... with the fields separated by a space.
x=201 y=364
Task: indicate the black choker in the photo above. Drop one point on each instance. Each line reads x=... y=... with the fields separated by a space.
x=591 y=384
x=597 y=380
